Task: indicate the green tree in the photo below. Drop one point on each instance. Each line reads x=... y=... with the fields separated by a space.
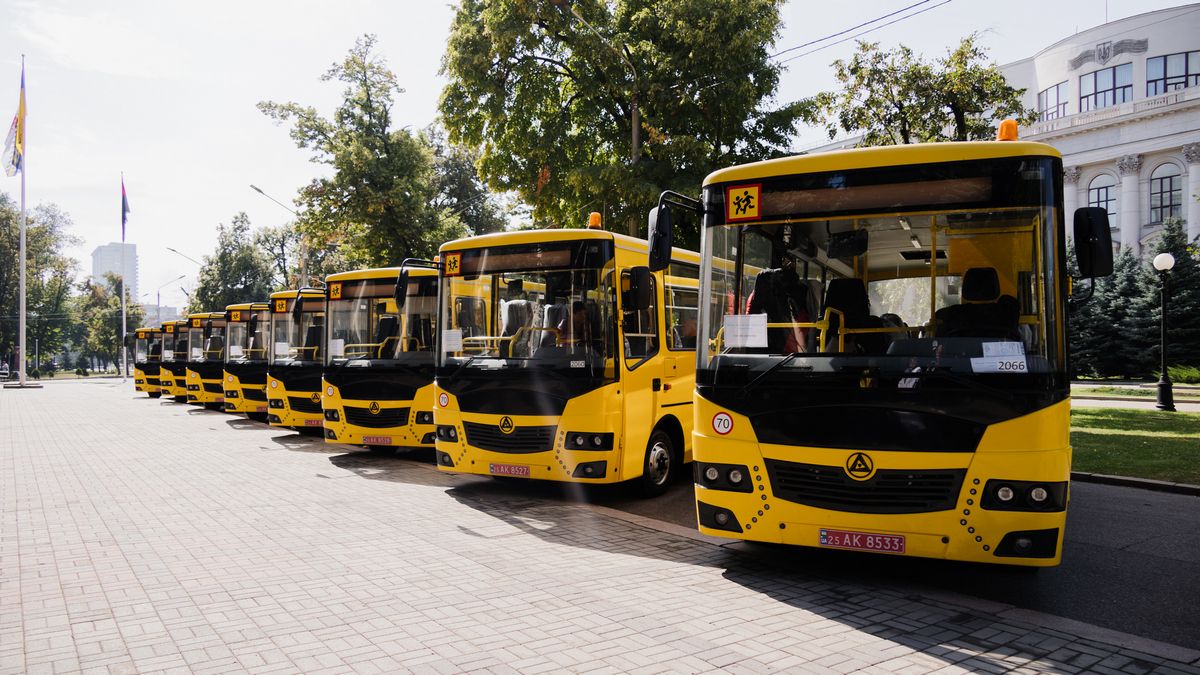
x=376 y=208
x=1116 y=341
x=1183 y=297
x=548 y=98
x=895 y=97
x=49 y=278
x=458 y=187
x=98 y=310
x=237 y=271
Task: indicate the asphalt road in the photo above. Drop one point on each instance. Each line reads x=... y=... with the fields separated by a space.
x=1131 y=561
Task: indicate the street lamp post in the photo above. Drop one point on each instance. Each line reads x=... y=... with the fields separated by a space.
x=158 y=297
x=1163 y=262
x=302 y=253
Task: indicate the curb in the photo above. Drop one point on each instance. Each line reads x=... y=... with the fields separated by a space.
x=1142 y=483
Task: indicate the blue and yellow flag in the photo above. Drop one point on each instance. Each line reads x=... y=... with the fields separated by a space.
x=14 y=146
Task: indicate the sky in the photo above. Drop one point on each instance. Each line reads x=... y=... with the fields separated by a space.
x=165 y=92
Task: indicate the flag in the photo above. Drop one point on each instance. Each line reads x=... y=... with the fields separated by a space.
x=14 y=146
x=124 y=209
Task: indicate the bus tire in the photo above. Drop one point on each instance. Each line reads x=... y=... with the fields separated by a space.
x=658 y=465
x=155 y=394
x=257 y=416
x=382 y=449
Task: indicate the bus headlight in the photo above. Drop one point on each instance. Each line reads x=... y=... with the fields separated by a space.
x=1018 y=495
x=728 y=477
x=446 y=432
x=425 y=417
x=584 y=440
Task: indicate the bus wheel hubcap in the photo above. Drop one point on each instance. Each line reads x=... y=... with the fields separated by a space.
x=659 y=463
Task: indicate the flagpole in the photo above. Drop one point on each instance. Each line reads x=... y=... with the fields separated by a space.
x=124 y=351
x=24 y=262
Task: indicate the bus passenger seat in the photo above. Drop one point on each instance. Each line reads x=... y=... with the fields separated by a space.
x=555 y=315
x=386 y=328
x=517 y=315
x=983 y=312
x=849 y=296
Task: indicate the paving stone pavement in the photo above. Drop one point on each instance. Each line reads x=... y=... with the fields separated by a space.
x=142 y=536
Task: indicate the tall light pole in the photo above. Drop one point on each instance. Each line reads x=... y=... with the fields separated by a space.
x=302 y=252
x=635 y=122
x=186 y=257
x=158 y=297
x=1163 y=262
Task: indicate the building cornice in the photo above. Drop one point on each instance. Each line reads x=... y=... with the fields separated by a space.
x=1157 y=106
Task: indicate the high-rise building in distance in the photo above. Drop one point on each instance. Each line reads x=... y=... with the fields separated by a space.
x=107 y=258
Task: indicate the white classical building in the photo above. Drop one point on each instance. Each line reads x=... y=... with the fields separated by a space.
x=1121 y=102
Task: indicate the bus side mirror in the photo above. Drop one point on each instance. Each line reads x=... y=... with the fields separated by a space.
x=401 y=291
x=639 y=288
x=658 y=234
x=1093 y=242
x=298 y=309
x=252 y=325
x=208 y=329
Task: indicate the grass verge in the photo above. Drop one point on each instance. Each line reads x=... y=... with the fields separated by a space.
x=1138 y=443
x=1180 y=394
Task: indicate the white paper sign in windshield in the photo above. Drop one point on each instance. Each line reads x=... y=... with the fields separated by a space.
x=452 y=340
x=337 y=348
x=281 y=349
x=745 y=330
x=235 y=351
x=1001 y=357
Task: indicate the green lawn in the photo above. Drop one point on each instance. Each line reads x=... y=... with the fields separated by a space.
x=1139 y=443
x=1180 y=394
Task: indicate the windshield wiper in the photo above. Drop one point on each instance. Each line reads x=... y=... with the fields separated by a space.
x=774 y=367
x=461 y=368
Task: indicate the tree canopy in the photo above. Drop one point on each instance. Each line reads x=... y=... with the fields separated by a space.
x=895 y=97
x=546 y=92
x=237 y=271
x=378 y=206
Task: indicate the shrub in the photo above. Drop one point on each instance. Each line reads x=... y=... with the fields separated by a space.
x=1184 y=374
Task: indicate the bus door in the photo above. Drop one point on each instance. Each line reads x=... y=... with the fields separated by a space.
x=642 y=372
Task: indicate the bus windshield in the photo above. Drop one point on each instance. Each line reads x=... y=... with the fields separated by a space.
x=248 y=338
x=146 y=349
x=897 y=278
x=544 y=305
x=207 y=342
x=180 y=353
x=168 y=347
x=298 y=343
x=365 y=327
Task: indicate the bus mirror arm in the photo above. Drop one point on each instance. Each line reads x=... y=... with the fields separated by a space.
x=401 y=292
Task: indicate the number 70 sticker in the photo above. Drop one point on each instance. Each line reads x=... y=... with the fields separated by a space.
x=722 y=423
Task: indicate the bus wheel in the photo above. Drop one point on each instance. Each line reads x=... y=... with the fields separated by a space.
x=257 y=416
x=382 y=449
x=658 y=468
x=155 y=394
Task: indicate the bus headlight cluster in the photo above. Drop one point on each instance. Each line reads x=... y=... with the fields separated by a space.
x=728 y=477
x=447 y=432
x=585 y=440
x=425 y=417
x=332 y=415
x=1019 y=495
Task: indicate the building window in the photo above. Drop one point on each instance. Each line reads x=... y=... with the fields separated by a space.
x=1166 y=193
x=1102 y=192
x=1052 y=102
x=1106 y=87
x=1171 y=72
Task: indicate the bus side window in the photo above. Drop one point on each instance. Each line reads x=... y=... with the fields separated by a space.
x=639 y=327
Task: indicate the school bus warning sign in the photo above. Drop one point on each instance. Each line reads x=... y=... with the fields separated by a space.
x=453 y=263
x=743 y=202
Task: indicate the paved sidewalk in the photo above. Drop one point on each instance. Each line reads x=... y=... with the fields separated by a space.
x=139 y=535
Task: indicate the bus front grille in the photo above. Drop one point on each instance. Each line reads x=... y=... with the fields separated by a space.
x=303 y=404
x=213 y=387
x=386 y=417
x=254 y=394
x=520 y=440
x=888 y=491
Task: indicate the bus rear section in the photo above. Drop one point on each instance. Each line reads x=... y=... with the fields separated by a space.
x=294 y=360
x=147 y=355
x=247 y=327
x=883 y=363
x=378 y=376
x=559 y=361
x=206 y=359
x=173 y=367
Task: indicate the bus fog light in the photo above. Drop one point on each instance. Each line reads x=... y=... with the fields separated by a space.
x=711 y=473
x=735 y=476
x=1037 y=494
x=1023 y=543
x=722 y=518
x=1004 y=494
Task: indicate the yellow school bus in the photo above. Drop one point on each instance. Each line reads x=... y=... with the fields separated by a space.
x=378 y=377
x=247 y=329
x=206 y=359
x=883 y=361
x=173 y=368
x=147 y=354
x=294 y=359
x=559 y=359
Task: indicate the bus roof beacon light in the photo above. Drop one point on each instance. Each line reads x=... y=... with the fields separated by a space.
x=594 y=220
x=1007 y=131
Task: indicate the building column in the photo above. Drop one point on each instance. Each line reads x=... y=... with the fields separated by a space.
x=1070 y=197
x=1191 y=198
x=1130 y=167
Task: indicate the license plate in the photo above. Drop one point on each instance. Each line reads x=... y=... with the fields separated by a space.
x=863 y=541
x=220 y=399
x=377 y=440
x=261 y=408
x=313 y=423
x=519 y=470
